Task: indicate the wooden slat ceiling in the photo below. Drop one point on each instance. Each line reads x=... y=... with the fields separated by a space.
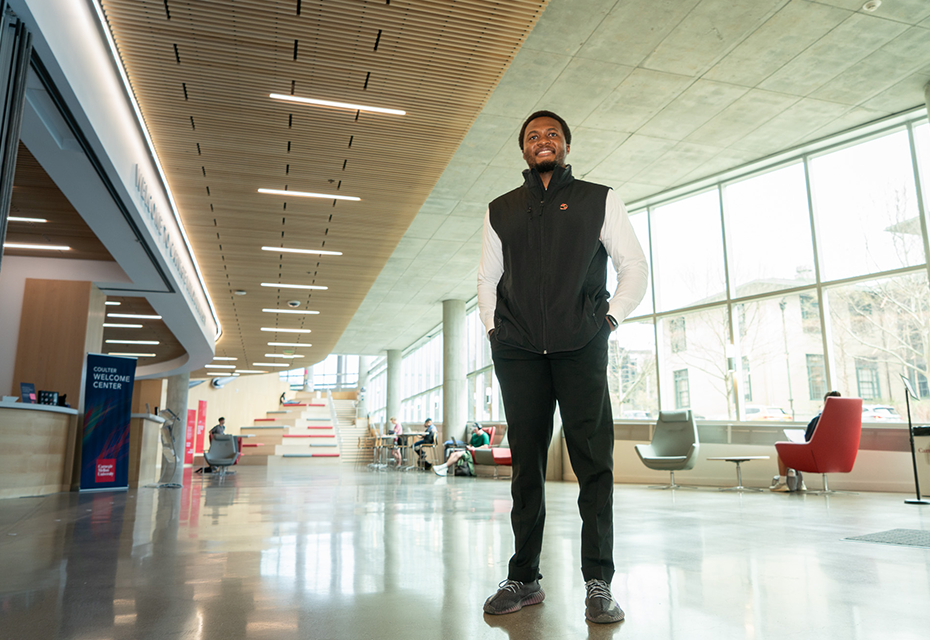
x=36 y=196
x=202 y=73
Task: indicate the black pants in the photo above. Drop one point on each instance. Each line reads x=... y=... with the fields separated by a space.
x=531 y=384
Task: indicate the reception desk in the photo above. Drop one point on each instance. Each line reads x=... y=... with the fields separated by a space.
x=144 y=449
x=36 y=449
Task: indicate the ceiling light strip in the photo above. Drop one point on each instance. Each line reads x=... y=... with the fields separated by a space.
x=288 y=344
x=337 y=105
x=282 y=355
x=117 y=325
x=286 y=330
x=131 y=355
x=138 y=316
x=140 y=120
x=308 y=194
x=40 y=247
x=304 y=313
x=19 y=219
x=133 y=342
x=278 y=285
x=318 y=252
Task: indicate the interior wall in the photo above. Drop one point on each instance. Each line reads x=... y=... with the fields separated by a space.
x=12 y=286
x=241 y=401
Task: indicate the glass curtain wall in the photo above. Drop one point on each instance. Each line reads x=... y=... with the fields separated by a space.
x=772 y=289
x=766 y=291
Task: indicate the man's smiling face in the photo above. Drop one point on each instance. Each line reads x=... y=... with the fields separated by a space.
x=544 y=146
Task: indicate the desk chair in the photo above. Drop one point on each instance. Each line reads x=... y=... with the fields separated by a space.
x=674 y=445
x=223 y=452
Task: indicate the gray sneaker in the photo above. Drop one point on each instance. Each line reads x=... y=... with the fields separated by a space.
x=600 y=606
x=513 y=595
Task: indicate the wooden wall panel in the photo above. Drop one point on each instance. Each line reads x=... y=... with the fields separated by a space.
x=61 y=321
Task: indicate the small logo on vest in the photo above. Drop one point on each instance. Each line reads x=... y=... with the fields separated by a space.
x=563 y=207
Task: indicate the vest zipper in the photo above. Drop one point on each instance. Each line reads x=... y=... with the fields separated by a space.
x=542 y=272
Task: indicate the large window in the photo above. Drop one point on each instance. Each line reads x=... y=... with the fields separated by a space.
x=881 y=330
x=747 y=315
x=769 y=232
x=631 y=372
x=866 y=208
x=687 y=250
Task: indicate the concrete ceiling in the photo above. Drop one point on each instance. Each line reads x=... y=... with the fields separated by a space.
x=659 y=93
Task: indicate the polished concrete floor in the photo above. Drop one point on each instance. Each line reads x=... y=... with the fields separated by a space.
x=335 y=553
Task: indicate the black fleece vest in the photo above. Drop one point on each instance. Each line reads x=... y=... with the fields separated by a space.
x=553 y=294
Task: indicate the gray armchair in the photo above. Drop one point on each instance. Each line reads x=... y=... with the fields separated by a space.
x=223 y=452
x=674 y=445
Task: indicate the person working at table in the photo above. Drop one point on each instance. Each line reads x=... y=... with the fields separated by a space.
x=479 y=440
x=429 y=437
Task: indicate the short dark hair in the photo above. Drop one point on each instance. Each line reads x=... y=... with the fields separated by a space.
x=221 y=419
x=427 y=420
x=831 y=394
x=545 y=114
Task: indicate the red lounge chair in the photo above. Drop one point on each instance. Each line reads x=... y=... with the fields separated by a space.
x=834 y=445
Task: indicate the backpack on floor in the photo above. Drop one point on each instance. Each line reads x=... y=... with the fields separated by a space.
x=465 y=465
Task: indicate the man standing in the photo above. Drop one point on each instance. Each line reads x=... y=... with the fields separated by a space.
x=543 y=298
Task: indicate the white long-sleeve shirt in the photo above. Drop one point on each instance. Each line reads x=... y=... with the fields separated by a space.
x=616 y=235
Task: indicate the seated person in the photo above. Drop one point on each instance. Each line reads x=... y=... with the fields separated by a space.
x=780 y=482
x=479 y=440
x=429 y=438
x=219 y=429
x=453 y=442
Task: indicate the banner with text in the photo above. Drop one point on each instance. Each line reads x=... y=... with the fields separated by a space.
x=108 y=382
x=189 y=436
x=201 y=425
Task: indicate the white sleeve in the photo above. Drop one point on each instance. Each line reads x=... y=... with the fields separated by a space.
x=490 y=270
x=624 y=249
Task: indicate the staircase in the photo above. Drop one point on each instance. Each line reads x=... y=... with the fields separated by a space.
x=350 y=430
x=294 y=434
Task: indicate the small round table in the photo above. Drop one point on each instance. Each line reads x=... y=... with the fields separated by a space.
x=739 y=473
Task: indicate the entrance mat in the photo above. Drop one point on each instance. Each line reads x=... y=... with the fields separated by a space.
x=903 y=537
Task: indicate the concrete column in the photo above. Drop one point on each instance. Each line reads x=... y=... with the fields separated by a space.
x=364 y=364
x=454 y=365
x=394 y=382
x=178 y=387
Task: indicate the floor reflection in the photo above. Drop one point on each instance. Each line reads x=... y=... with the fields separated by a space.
x=331 y=553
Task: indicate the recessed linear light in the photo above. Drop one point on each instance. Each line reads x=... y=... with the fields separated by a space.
x=308 y=194
x=219 y=366
x=132 y=355
x=43 y=247
x=224 y=358
x=337 y=105
x=249 y=371
x=18 y=219
x=281 y=355
x=133 y=342
x=278 y=285
x=270 y=364
x=288 y=344
x=223 y=373
x=317 y=252
x=117 y=325
x=304 y=313
x=138 y=316
x=112 y=303
x=286 y=330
